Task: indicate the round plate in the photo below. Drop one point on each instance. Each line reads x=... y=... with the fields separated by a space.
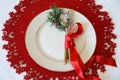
x=45 y=44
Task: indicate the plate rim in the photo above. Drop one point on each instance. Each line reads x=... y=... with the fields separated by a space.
x=42 y=23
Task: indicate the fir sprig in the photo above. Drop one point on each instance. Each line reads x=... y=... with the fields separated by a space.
x=53 y=17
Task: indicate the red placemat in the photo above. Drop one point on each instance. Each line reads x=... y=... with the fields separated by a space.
x=15 y=29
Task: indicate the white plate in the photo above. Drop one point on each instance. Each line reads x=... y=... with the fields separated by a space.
x=45 y=44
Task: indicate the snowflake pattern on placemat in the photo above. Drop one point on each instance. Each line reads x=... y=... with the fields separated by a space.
x=15 y=29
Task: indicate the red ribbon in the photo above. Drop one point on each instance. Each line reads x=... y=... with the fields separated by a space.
x=76 y=60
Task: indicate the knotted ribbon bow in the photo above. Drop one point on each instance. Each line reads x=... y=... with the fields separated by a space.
x=76 y=60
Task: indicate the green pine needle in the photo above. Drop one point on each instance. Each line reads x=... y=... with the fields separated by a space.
x=53 y=17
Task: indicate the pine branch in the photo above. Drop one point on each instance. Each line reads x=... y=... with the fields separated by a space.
x=53 y=17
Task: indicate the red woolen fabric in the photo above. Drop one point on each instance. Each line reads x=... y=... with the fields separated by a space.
x=15 y=29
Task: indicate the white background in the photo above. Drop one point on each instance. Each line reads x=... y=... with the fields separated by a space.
x=111 y=6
